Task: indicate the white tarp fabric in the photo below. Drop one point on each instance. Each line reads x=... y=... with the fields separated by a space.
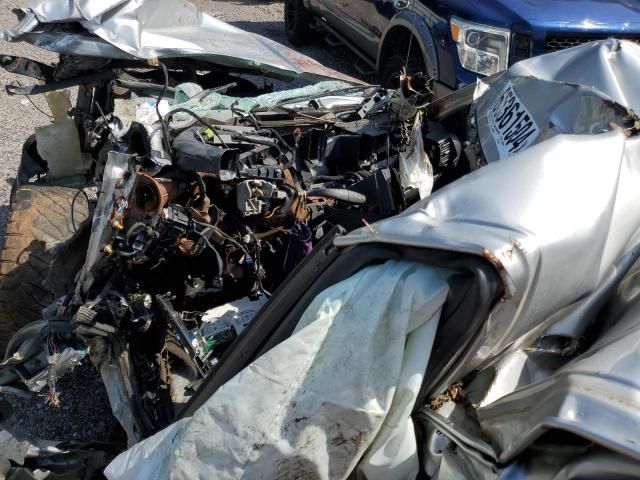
x=335 y=396
x=415 y=167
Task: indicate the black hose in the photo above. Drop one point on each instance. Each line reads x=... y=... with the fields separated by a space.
x=136 y=229
x=144 y=86
x=278 y=136
x=260 y=130
x=203 y=189
x=227 y=237
x=286 y=206
x=170 y=115
x=341 y=194
x=73 y=207
x=327 y=178
x=257 y=141
x=214 y=250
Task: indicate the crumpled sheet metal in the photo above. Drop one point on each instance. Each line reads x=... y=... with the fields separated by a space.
x=552 y=219
x=125 y=29
x=595 y=396
x=550 y=463
x=586 y=90
x=611 y=67
x=503 y=130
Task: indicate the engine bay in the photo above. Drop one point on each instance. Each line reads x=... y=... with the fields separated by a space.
x=208 y=192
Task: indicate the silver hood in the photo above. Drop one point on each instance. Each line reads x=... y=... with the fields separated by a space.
x=141 y=29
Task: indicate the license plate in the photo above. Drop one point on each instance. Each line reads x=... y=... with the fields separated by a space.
x=512 y=125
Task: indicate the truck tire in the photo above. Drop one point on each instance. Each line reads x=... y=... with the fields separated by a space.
x=40 y=221
x=394 y=65
x=297 y=23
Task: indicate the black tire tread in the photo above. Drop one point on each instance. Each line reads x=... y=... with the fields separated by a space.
x=39 y=222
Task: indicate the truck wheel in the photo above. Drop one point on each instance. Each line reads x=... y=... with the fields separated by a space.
x=394 y=65
x=40 y=221
x=297 y=22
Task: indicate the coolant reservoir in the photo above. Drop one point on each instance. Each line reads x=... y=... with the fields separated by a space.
x=59 y=143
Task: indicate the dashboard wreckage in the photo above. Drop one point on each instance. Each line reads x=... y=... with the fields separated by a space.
x=225 y=249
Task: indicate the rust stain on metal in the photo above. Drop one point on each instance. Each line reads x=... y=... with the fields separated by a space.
x=493 y=258
x=509 y=252
x=517 y=245
x=454 y=393
x=309 y=65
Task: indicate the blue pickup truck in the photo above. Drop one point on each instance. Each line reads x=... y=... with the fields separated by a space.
x=455 y=41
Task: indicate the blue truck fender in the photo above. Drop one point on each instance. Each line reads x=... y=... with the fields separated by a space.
x=416 y=24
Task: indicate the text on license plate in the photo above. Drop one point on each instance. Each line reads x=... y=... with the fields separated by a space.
x=512 y=126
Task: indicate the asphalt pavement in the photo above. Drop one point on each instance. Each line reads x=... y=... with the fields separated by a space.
x=19 y=117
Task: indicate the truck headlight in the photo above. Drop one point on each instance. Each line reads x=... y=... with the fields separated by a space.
x=481 y=48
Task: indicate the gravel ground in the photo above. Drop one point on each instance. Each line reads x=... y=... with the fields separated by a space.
x=84 y=414
x=18 y=117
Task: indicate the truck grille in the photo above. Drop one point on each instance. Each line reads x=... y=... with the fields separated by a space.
x=553 y=44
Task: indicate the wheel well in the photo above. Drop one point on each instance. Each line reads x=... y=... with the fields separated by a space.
x=397 y=41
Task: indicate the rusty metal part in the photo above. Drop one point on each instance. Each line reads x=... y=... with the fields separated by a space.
x=298 y=206
x=418 y=84
x=201 y=214
x=185 y=245
x=150 y=195
x=454 y=393
x=300 y=210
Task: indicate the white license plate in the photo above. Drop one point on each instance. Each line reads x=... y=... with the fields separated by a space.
x=512 y=125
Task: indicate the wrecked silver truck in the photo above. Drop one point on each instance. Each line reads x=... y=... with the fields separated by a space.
x=211 y=316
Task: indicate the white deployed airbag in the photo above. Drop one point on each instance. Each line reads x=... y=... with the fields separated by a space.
x=334 y=396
